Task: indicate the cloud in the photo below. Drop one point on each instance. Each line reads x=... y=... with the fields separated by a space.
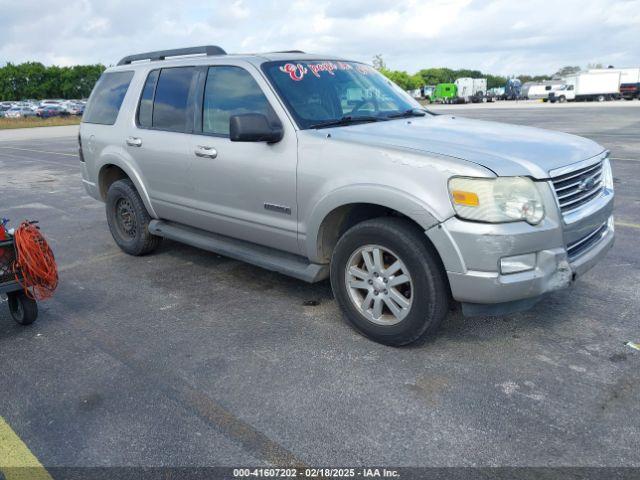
x=498 y=36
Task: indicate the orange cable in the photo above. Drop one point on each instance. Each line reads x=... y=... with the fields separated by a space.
x=35 y=268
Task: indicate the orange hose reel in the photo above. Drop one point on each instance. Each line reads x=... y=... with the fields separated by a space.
x=35 y=268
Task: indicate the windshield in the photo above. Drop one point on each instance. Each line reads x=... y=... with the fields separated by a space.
x=319 y=92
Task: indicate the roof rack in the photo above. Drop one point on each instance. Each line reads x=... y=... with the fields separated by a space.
x=289 y=51
x=207 y=50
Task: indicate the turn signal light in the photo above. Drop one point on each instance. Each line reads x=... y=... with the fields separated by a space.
x=468 y=199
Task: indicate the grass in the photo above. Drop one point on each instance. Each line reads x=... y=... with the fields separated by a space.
x=30 y=122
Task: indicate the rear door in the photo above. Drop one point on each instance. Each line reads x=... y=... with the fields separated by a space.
x=158 y=139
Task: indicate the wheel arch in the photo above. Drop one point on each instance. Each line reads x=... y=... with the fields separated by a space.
x=115 y=169
x=338 y=212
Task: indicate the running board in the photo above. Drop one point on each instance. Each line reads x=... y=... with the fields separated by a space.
x=265 y=257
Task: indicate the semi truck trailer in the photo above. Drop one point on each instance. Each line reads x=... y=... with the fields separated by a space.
x=470 y=87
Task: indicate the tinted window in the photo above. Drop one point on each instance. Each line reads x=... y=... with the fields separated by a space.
x=172 y=94
x=231 y=91
x=106 y=98
x=145 y=110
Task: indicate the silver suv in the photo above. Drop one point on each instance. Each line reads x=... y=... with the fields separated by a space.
x=319 y=167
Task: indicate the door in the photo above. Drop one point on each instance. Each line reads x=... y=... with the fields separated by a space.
x=158 y=141
x=245 y=190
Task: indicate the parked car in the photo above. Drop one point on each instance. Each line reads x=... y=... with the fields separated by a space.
x=19 y=112
x=74 y=109
x=402 y=209
x=51 y=111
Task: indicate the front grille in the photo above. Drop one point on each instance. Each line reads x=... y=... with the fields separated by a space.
x=582 y=245
x=576 y=188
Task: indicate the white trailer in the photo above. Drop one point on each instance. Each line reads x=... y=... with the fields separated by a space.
x=598 y=86
x=629 y=80
x=471 y=87
x=541 y=90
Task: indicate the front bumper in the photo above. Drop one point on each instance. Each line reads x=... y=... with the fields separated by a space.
x=471 y=253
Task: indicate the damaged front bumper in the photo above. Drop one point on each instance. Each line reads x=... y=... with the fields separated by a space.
x=472 y=254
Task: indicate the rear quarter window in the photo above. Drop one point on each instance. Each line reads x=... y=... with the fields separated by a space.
x=106 y=98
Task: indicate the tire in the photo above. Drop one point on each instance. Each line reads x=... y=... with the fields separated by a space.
x=128 y=219
x=23 y=309
x=601 y=98
x=425 y=292
x=562 y=99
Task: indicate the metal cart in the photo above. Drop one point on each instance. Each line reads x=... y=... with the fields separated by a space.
x=23 y=309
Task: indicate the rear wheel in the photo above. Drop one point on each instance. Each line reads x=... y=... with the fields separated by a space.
x=23 y=309
x=389 y=282
x=601 y=98
x=562 y=99
x=128 y=219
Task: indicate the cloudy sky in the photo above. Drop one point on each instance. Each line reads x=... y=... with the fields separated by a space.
x=495 y=36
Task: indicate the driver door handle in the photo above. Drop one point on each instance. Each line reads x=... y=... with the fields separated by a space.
x=134 y=142
x=206 y=151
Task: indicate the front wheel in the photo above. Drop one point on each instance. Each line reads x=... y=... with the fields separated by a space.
x=23 y=309
x=389 y=281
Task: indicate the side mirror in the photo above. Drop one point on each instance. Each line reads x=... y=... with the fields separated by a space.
x=254 y=127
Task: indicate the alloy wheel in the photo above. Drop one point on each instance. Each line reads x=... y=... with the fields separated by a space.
x=379 y=285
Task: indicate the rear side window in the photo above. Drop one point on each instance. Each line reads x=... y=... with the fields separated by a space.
x=145 y=110
x=170 y=105
x=107 y=97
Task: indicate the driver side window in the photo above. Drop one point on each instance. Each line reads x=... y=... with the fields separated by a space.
x=231 y=91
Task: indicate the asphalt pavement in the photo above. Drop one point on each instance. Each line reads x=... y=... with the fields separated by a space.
x=186 y=358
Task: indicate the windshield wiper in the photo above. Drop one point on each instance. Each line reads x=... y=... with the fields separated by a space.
x=347 y=120
x=412 y=112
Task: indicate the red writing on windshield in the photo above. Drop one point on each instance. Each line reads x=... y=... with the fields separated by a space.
x=297 y=71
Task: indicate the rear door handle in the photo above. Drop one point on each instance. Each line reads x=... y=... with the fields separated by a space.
x=134 y=142
x=206 y=151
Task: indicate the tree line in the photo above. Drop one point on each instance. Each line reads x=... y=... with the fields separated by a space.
x=434 y=76
x=33 y=80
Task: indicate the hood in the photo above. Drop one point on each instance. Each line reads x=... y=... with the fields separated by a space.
x=507 y=150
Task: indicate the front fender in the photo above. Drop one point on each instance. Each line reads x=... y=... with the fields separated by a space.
x=381 y=195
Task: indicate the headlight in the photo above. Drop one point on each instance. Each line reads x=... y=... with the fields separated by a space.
x=497 y=200
x=607 y=174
